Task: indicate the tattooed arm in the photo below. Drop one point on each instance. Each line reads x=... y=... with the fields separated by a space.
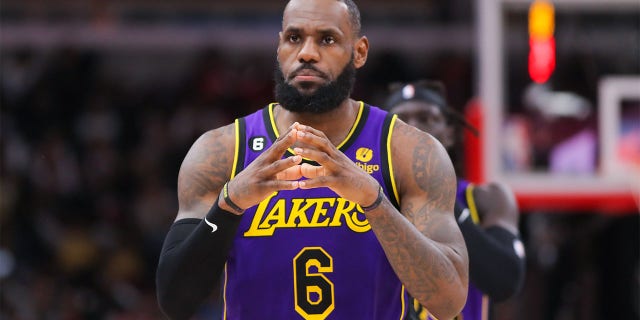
x=205 y=169
x=424 y=244
x=195 y=249
x=193 y=257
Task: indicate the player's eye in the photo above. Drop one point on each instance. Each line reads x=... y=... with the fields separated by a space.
x=328 y=40
x=293 y=38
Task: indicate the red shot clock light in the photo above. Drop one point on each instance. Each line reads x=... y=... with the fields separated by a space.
x=542 y=44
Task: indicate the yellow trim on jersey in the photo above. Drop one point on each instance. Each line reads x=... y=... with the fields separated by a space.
x=272 y=119
x=236 y=153
x=389 y=159
x=224 y=295
x=473 y=210
x=395 y=194
x=355 y=125
x=402 y=300
x=427 y=315
x=236 y=149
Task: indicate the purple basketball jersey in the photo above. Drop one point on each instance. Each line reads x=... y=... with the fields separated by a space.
x=476 y=307
x=310 y=254
x=477 y=304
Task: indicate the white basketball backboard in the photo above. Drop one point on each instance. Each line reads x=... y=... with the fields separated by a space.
x=610 y=187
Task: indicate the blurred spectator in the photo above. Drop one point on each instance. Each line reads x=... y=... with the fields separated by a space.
x=557 y=134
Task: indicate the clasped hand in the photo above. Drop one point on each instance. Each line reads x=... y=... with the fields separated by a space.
x=271 y=173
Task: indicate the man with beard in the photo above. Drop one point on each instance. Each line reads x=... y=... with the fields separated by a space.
x=317 y=206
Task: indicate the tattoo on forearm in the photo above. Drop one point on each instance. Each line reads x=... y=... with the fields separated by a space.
x=420 y=273
x=424 y=272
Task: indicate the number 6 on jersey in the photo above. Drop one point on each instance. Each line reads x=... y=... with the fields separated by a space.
x=313 y=292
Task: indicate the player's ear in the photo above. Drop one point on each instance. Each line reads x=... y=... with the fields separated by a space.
x=360 y=52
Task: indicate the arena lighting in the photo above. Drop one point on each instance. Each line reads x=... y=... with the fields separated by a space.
x=542 y=44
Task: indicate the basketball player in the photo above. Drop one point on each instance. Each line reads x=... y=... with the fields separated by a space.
x=487 y=213
x=317 y=206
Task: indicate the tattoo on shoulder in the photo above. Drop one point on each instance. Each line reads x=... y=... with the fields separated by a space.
x=429 y=170
x=208 y=164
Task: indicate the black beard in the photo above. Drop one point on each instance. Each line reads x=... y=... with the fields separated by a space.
x=326 y=98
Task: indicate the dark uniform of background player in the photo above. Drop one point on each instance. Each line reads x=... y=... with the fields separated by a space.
x=496 y=254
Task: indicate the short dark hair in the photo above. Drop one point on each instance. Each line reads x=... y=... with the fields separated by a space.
x=354 y=16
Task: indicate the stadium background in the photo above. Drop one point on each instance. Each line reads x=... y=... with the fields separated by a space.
x=100 y=100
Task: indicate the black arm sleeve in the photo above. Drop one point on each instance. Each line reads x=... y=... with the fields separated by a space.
x=192 y=260
x=494 y=265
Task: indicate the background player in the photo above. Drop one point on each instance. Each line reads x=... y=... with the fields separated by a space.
x=487 y=213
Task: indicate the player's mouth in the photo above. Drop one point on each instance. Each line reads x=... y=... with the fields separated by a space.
x=308 y=74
